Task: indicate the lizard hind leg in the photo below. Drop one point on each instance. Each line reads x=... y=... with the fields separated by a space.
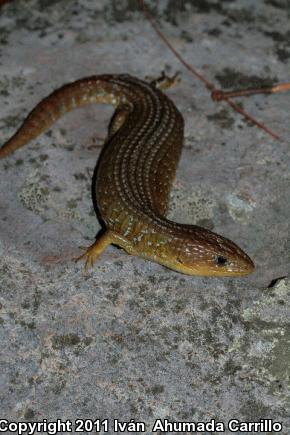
x=119 y=118
x=165 y=82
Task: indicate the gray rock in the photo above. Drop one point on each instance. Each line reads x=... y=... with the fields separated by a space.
x=131 y=339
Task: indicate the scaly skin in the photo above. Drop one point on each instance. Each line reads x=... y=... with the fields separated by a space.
x=135 y=174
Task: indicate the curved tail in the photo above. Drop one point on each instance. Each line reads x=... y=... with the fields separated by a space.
x=95 y=89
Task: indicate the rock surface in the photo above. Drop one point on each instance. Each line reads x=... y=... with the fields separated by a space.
x=131 y=339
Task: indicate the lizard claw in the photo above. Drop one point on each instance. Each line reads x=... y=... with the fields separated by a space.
x=90 y=256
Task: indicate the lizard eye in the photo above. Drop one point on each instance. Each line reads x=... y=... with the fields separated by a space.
x=220 y=260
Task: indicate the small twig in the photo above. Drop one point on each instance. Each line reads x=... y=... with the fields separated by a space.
x=153 y=23
x=253 y=120
x=217 y=94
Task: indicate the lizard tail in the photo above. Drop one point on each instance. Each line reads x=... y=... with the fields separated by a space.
x=95 y=89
